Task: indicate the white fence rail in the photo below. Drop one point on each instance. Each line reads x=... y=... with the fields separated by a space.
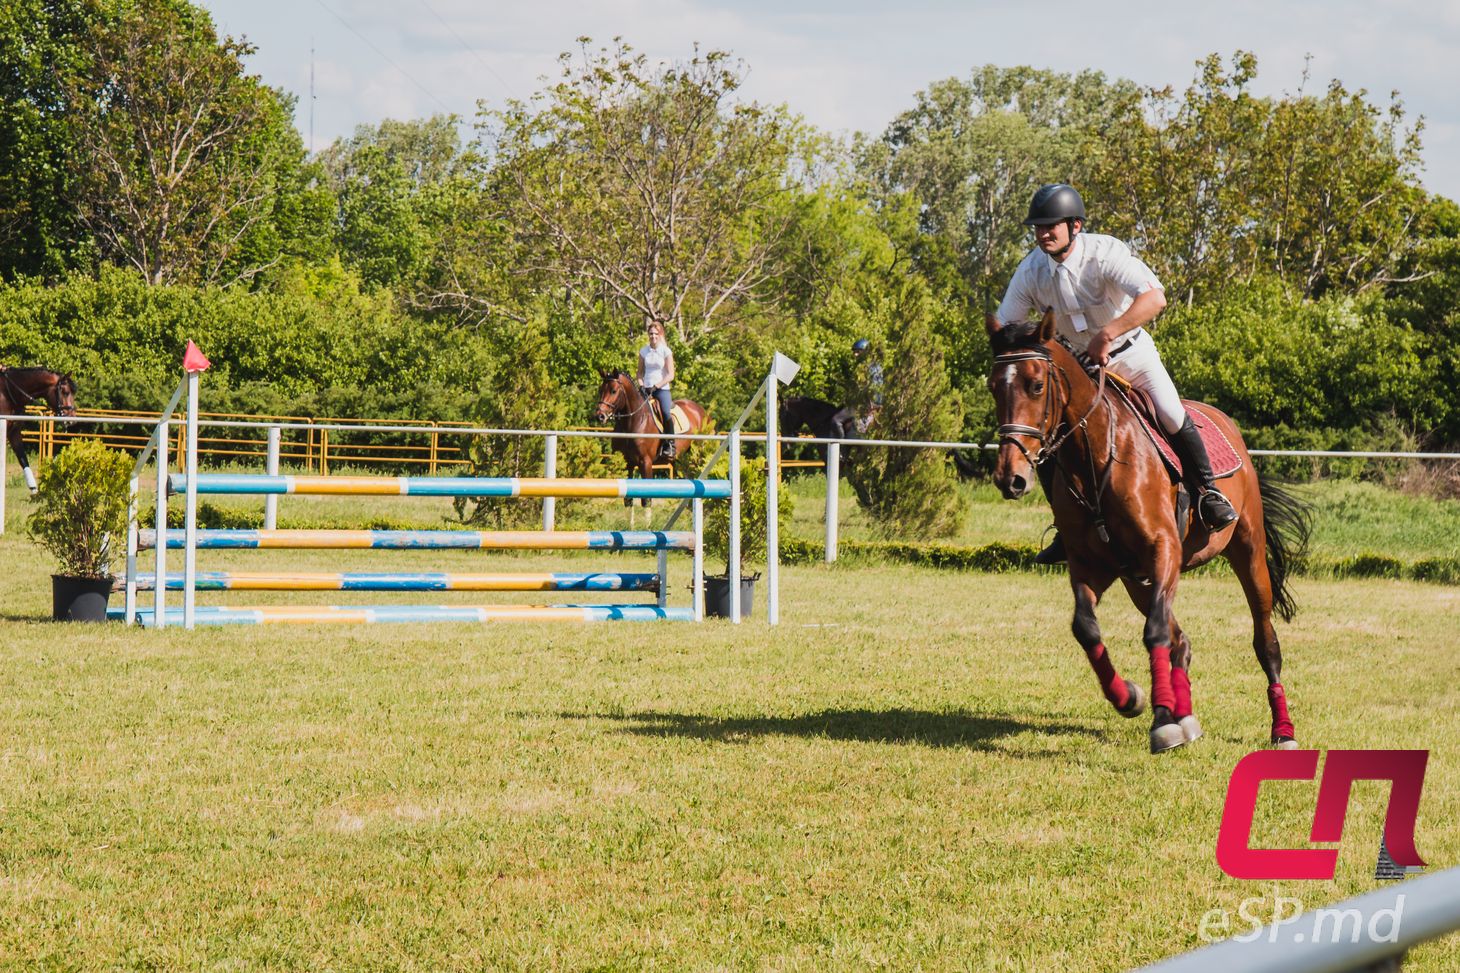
x=1368 y=933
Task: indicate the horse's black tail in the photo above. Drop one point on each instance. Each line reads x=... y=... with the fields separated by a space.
x=1286 y=525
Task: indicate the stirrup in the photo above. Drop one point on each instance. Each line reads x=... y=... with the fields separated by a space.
x=1215 y=510
x=1054 y=553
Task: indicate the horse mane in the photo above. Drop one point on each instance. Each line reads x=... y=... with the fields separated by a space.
x=1019 y=336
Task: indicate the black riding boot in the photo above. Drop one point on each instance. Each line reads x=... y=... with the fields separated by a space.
x=1214 y=509
x=1055 y=552
x=667 y=451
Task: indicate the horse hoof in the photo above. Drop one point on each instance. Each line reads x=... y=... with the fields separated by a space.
x=1167 y=736
x=1190 y=728
x=1284 y=743
x=1136 y=704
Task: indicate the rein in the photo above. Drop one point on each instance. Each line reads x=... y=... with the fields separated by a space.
x=12 y=390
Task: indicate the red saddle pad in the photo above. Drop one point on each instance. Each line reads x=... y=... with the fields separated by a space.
x=1223 y=457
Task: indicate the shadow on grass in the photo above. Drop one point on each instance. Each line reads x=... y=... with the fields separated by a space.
x=952 y=728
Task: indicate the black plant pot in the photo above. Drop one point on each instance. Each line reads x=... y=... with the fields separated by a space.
x=79 y=599
x=717 y=596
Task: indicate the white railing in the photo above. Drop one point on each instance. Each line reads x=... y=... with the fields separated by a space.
x=1352 y=936
x=834 y=446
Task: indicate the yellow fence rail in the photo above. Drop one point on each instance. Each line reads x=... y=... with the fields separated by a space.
x=303 y=443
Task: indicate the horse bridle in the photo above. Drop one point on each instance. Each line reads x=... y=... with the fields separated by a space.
x=619 y=383
x=1049 y=450
x=1009 y=430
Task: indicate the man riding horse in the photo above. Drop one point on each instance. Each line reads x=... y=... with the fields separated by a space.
x=1102 y=296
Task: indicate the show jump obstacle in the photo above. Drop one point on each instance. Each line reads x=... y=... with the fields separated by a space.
x=190 y=539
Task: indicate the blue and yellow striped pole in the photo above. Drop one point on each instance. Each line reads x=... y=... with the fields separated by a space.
x=534 y=540
x=238 y=484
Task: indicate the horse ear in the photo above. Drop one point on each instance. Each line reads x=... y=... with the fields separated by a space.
x=1046 y=326
x=991 y=325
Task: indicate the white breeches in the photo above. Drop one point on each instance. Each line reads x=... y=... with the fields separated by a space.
x=1140 y=364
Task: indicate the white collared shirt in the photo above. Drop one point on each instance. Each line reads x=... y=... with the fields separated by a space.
x=1092 y=287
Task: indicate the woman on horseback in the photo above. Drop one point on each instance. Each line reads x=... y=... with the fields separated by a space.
x=656 y=372
x=1102 y=296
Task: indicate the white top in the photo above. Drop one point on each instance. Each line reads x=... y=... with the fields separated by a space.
x=655 y=363
x=1094 y=285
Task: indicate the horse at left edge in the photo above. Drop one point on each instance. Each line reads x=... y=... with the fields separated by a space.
x=22 y=387
x=620 y=400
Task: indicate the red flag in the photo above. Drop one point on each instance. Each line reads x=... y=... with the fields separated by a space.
x=193 y=360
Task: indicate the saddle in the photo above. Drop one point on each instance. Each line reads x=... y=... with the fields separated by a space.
x=681 y=421
x=1223 y=457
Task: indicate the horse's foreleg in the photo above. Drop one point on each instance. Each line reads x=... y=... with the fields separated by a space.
x=1181 y=683
x=1123 y=694
x=1250 y=562
x=1166 y=731
x=17 y=444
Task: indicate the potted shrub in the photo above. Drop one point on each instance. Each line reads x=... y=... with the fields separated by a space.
x=81 y=518
x=752 y=536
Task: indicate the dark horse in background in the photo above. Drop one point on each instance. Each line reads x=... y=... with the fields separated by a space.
x=22 y=387
x=821 y=419
x=1117 y=509
x=620 y=400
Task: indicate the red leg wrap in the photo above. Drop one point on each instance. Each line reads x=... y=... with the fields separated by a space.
x=1181 y=689
x=1282 y=724
x=1110 y=682
x=1161 y=694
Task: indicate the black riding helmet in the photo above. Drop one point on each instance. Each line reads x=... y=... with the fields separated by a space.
x=1054 y=203
x=860 y=346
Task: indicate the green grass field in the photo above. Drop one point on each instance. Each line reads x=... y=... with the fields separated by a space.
x=914 y=771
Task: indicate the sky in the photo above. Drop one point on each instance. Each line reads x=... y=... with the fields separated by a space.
x=846 y=66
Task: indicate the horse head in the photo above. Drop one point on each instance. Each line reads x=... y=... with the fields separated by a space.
x=62 y=396
x=615 y=396
x=1023 y=383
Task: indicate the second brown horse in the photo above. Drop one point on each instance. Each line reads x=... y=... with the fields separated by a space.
x=23 y=387
x=1115 y=506
x=619 y=400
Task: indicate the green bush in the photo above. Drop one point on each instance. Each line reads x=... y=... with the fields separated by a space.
x=81 y=509
x=752 y=514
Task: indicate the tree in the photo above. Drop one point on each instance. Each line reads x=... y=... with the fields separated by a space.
x=644 y=189
x=972 y=151
x=909 y=492
x=1220 y=187
x=385 y=181
x=40 y=55
x=178 y=151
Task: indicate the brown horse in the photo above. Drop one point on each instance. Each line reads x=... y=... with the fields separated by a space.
x=19 y=388
x=1117 y=511
x=619 y=399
